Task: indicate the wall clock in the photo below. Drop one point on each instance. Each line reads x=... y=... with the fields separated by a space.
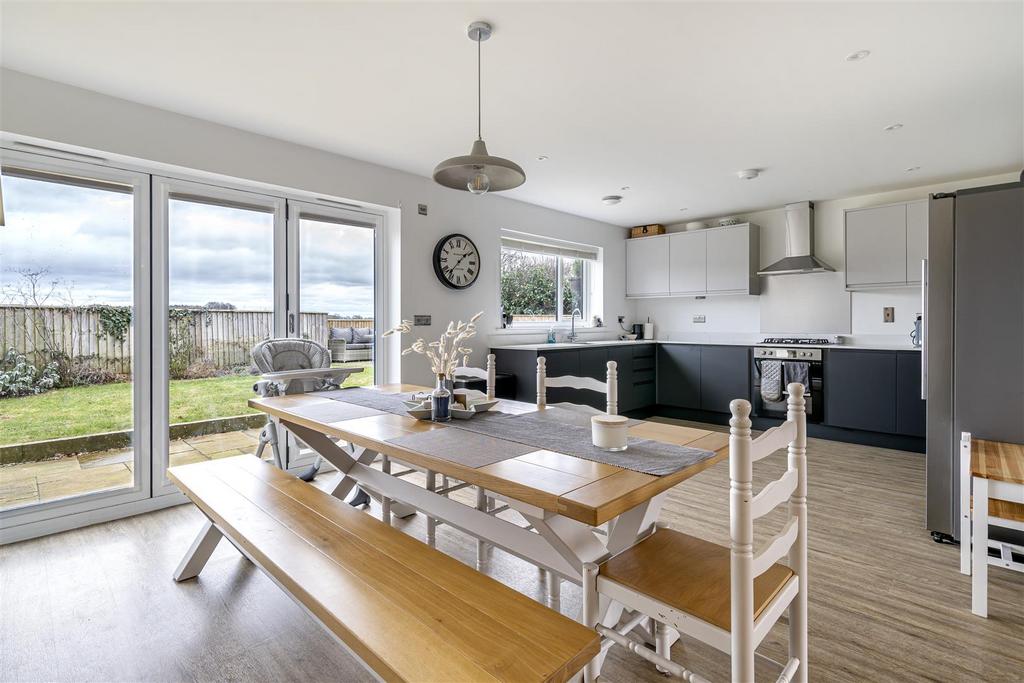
x=456 y=261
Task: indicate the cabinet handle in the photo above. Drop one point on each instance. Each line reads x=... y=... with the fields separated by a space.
x=924 y=329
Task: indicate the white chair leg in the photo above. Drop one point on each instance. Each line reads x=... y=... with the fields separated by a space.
x=431 y=522
x=554 y=589
x=965 y=503
x=662 y=642
x=591 y=615
x=979 y=541
x=385 y=502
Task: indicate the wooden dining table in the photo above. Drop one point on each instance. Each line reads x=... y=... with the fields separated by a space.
x=563 y=498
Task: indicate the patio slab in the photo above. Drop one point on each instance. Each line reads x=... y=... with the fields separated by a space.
x=35 y=482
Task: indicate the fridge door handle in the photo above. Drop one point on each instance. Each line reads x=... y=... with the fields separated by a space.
x=924 y=329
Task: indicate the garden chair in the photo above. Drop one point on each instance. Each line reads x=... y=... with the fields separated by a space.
x=296 y=366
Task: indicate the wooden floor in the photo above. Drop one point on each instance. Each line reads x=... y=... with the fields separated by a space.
x=886 y=603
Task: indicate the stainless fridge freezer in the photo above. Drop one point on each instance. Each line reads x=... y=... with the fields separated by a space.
x=973 y=354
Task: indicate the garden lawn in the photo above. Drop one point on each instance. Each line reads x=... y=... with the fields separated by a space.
x=98 y=408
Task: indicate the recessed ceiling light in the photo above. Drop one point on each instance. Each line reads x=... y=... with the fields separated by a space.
x=625 y=187
x=912 y=169
x=893 y=126
x=611 y=199
x=748 y=173
x=858 y=56
x=542 y=157
x=684 y=209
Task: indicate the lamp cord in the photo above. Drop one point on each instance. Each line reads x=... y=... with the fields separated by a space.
x=478 y=81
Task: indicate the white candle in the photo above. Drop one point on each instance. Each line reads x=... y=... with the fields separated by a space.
x=608 y=432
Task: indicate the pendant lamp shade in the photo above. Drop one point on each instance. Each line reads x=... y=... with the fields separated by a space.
x=478 y=172
x=458 y=172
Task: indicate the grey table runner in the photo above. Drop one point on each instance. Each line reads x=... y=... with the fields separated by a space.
x=505 y=436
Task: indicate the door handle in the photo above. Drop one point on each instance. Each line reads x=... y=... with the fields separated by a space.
x=924 y=329
x=291 y=323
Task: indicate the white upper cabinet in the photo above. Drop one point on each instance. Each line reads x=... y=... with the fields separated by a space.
x=917 y=239
x=688 y=260
x=885 y=245
x=695 y=263
x=647 y=266
x=733 y=257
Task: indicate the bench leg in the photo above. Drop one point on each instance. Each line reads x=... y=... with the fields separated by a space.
x=979 y=550
x=196 y=557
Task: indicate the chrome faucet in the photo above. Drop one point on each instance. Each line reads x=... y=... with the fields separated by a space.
x=572 y=324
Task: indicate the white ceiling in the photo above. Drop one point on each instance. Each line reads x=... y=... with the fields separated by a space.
x=670 y=99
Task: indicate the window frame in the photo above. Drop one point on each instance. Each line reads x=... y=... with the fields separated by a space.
x=562 y=319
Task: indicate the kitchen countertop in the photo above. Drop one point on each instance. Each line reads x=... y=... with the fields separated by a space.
x=614 y=342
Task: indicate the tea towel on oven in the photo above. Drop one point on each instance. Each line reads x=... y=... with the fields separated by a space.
x=798 y=372
x=771 y=380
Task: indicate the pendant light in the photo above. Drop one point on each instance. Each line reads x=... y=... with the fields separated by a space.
x=479 y=172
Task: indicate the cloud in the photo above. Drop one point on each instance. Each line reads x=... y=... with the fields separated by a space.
x=83 y=238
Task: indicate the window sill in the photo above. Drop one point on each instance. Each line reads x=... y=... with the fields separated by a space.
x=543 y=329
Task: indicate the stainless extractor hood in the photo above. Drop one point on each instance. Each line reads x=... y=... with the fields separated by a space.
x=800 y=256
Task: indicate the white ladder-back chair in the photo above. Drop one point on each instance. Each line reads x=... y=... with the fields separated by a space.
x=488 y=374
x=985 y=501
x=728 y=598
x=610 y=387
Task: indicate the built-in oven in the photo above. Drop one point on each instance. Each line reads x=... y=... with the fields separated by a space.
x=793 y=364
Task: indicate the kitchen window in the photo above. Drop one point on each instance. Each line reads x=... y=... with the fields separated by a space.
x=544 y=280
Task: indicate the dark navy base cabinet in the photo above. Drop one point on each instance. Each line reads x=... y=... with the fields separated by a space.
x=875 y=391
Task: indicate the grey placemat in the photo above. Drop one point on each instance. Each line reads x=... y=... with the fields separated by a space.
x=471 y=449
x=336 y=411
x=538 y=433
x=370 y=398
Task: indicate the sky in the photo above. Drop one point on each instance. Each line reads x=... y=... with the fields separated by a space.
x=82 y=238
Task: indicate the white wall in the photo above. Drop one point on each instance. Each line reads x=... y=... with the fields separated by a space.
x=56 y=112
x=811 y=304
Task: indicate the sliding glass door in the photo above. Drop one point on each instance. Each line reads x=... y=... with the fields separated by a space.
x=220 y=294
x=129 y=307
x=74 y=326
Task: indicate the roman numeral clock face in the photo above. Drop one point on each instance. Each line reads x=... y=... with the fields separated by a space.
x=456 y=261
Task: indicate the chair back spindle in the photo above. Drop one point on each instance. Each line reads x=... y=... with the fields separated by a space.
x=488 y=374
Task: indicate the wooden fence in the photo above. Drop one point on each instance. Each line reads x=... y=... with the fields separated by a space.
x=358 y=323
x=222 y=338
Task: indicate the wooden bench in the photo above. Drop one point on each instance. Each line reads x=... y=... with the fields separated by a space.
x=408 y=612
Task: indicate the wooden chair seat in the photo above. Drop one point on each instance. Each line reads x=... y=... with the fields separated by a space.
x=1004 y=509
x=689 y=574
x=409 y=612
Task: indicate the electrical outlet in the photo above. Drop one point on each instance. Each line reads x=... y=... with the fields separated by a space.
x=622 y=319
x=888 y=314
x=421 y=320
x=700 y=319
